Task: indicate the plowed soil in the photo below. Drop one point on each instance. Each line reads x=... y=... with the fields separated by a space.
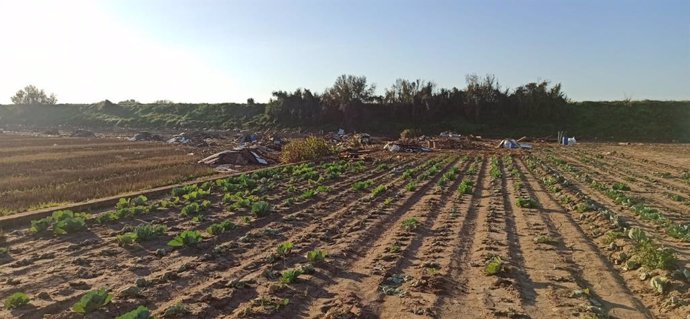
x=546 y=233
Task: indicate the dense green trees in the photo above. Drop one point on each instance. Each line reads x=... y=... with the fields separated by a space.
x=351 y=100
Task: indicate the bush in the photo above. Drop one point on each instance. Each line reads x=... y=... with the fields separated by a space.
x=409 y=133
x=308 y=149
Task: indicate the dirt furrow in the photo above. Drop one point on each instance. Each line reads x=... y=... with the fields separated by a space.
x=582 y=266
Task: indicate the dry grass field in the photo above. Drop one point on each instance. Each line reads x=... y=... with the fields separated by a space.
x=37 y=172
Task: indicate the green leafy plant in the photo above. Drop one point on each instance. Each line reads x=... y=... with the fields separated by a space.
x=289 y=276
x=361 y=185
x=140 y=312
x=316 y=256
x=126 y=239
x=494 y=266
x=284 y=248
x=465 y=187
x=378 y=190
x=526 y=202
x=411 y=186
x=185 y=238
x=91 y=301
x=16 y=300
x=410 y=224
x=147 y=231
x=655 y=257
x=218 y=228
x=620 y=186
x=261 y=209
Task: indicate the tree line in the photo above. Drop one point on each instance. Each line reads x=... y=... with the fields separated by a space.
x=352 y=100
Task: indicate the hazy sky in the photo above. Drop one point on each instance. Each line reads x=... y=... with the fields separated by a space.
x=215 y=51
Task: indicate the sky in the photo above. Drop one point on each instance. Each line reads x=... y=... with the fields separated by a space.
x=213 y=51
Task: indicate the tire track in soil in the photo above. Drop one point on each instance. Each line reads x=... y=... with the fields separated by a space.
x=386 y=263
x=682 y=248
x=349 y=242
x=163 y=266
x=478 y=294
x=316 y=230
x=426 y=269
x=585 y=265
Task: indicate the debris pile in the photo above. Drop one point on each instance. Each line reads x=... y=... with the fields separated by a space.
x=407 y=148
x=241 y=156
x=510 y=143
x=198 y=139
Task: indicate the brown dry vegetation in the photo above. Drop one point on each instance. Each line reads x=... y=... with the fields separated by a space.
x=46 y=171
x=406 y=245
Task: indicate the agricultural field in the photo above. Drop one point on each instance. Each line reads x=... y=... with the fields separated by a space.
x=592 y=231
x=39 y=172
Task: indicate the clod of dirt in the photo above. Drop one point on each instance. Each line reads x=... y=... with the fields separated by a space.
x=43 y=296
x=79 y=285
x=130 y=292
x=141 y=282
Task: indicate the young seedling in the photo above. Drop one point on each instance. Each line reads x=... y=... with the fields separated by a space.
x=219 y=228
x=16 y=300
x=316 y=256
x=361 y=185
x=186 y=238
x=410 y=224
x=465 y=187
x=378 y=190
x=91 y=301
x=411 y=186
x=526 y=202
x=261 y=209
x=289 y=276
x=494 y=266
x=284 y=249
x=140 y=312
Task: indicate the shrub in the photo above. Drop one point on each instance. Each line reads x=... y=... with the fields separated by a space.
x=308 y=149
x=91 y=301
x=185 y=238
x=409 y=133
x=16 y=300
